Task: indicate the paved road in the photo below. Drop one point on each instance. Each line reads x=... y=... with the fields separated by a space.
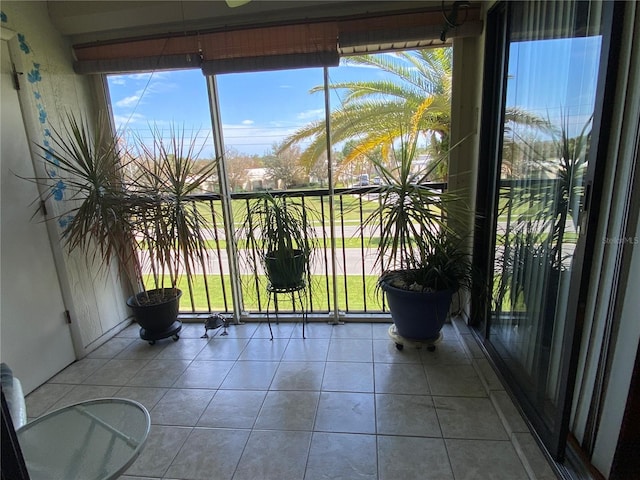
x=352 y=259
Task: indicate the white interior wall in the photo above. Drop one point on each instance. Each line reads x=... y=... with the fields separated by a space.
x=49 y=89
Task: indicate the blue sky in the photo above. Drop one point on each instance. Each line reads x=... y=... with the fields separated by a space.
x=550 y=77
x=257 y=109
x=260 y=109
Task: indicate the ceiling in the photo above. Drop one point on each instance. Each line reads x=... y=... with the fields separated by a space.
x=96 y=20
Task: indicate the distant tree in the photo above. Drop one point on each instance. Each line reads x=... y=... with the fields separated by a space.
x=318 y=170
x=237 y=166
x=283 y=165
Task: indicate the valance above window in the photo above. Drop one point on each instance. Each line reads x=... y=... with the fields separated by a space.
x=273 y=47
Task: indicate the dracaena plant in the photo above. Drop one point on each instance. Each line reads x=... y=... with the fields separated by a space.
x=129 y=206
x=278 y=228
x=85 y=164
x=169 y=226
x=418 y=250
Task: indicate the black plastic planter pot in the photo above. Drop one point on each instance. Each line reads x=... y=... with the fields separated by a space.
x=285 y=270
x=157 y=318
x=417 y=315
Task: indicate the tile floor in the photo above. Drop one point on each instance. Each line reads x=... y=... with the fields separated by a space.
x=341 y=404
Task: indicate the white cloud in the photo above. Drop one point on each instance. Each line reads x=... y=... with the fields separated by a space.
x=313 y=114
x=123 y=121
x=247 y=122
x=128 y=101
x=118 y=80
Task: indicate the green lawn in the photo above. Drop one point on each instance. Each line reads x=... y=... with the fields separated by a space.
x=348 y=211
x=358 y=294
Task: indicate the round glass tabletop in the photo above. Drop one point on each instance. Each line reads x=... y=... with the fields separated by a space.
x=95 y=439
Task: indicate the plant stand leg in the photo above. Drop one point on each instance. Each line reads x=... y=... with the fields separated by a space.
x=302 y=297
x=269 y=293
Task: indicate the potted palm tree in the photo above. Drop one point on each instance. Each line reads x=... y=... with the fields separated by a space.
x=132 y=207
x=280 y=229
x=424 y=261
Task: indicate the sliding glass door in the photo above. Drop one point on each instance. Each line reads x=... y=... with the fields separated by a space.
x=547 y=85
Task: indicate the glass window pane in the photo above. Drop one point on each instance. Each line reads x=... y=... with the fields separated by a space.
x=553 y=66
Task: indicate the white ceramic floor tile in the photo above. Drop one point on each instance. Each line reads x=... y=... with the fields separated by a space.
x=274 y=455
x=181 y=407
x=401 y=378
x=466 y=417
x=115 y=372
x=190 y=330
x=185 y=348
x=508 y=411
x=446 y=353
x=413 y=458
x=348 y=377
x=342 y=456
x=313 y=330
x=285 y=410
x=484 y=460
x=78 y=371
x=233 y=409
x=306 y=350
x=250 y=375
x=147 y=396
x=113 y=347
x=162 y=446
x=346 y=413
x=209 y=453
x=264 y=349
x=455 y=380
x=139 y=350
x=409 y=415
x=244 y=407
x=380 y=331
x=44 y=397
x=159 y=373
x=537 y=463
x=472 y=345
x=80 y=393
x=350 y=350
x=298 y=376
x=204 y=374
x=223 y=348
x=385 y=351
x=245 y=330
x=353 y=330
x=488 y=375
x=282 y=330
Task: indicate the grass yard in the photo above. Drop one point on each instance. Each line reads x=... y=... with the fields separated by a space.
x=359 y=293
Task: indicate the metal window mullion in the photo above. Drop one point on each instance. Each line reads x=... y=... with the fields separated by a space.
x=332 y=225
x=217 y=240
x=225 y=197
x=344 y=256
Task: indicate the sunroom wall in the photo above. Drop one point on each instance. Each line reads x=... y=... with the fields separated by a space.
x=49 y=89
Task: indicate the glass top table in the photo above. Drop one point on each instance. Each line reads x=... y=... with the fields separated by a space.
x=95 y=439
